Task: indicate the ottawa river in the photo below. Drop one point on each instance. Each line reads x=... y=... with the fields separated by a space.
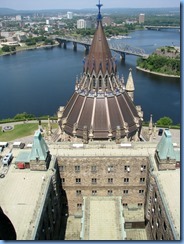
x=39 y=81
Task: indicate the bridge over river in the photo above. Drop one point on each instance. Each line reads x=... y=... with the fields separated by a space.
x=161 y=27
x=123 y=49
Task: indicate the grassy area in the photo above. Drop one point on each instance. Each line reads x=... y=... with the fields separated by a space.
x=21 y=130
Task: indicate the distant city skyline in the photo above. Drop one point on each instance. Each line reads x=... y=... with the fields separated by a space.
x=82 y=4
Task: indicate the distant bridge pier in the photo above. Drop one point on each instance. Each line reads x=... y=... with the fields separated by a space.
x=86 y=49
x=64 y=44
x=75 y=46
x=122 y=55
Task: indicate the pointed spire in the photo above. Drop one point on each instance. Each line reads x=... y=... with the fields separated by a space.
x=99 y=17
x=130 y=82
x=130 y=85
x=151 y=122
x=99 y=58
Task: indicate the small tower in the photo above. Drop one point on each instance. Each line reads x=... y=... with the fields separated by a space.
x=49 y=127
x=130 y=85
x=40 y=156
x=165 y=155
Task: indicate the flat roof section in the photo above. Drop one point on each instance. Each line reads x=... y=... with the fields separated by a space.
x=103 y=218
x=21 y=198
x=169 y=182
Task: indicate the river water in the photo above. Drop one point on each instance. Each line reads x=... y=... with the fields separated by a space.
x=39 y=81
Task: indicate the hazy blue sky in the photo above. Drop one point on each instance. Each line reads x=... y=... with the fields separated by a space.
x=78 y=4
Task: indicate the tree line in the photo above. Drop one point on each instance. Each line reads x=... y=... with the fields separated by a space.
x=160 y=64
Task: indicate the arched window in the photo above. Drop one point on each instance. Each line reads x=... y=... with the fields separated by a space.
x=106 y=79
x=100 y=82
x=94 y=82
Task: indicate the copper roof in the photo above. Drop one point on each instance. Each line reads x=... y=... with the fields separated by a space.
x=99 y=57
x=100 y=101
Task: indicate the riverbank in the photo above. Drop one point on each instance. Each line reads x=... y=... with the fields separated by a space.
x=28 y=48
x=156 y=73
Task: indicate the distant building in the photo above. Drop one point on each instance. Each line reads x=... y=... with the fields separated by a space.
x=83 y=24
x=49 y=21
x=107 y=21
x=69 y=15
x=6 y=34
x=18 y=18
x=141 y=18
x=129 y=22
x=48 y=28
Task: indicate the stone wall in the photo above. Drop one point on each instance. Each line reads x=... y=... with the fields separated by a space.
x=165 y=164
x=51 y=225
x=90 y=176
x=158 y=226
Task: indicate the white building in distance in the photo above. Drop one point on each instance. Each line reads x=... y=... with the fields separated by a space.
x=83 y=24
x=69 y=15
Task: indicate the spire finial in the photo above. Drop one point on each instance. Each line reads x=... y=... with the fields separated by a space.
x=99 y=5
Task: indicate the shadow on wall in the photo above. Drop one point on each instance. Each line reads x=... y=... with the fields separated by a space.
x=7 y=230
x=65 y=212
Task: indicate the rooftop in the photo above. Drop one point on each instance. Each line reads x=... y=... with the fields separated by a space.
x=102 y=225
x=19 y=199
x=169 y=183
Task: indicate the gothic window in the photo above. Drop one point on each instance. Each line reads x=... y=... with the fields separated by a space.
x=126 y=180
x=127 y=168
x=141 y=191
x=143 y=167
x=77 y=168
x=61 y=168
x=159 y=209
x=125 y=192
x=79 y=205
x=165 y=226
x=100 y=82
x=78 y=180
x=94 y=192
x=142 y=180
x=109 y=192
x=110 y=168
x=93 y=168
x=78 y=192
x=63 y=180
x=110 y=180
x=93 y=180
x=94 y=82
x=106 y=79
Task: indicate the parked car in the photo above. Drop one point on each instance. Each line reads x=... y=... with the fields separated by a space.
x=22 y=145
x=7 y=159
x=160 y=132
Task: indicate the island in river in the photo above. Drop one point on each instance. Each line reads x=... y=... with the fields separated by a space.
x=165 y=61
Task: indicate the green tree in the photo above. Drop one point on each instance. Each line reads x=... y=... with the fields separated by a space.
x=6 y=48
x=23 y=116
x=166 y=121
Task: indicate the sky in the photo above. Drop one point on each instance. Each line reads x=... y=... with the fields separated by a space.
x=79 y=4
